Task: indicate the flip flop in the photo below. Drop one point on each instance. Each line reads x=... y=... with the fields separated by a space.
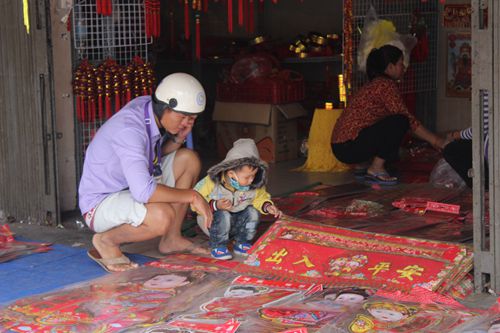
x=194 y=248
x=381 y=178
x=359 y=173
x=105 y=262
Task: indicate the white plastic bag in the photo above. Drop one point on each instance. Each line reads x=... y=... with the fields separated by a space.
x=443 y=175
x=377 y=33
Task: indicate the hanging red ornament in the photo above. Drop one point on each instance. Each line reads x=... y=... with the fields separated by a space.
x=348 y=46
x=108 y=84
x=261 y=6
x=77 y=86
x=157 y=19
x=251 y=16
x=186 y=19
x=245 y=16
x=117 y=87
x=230 y=16
x=126 y=86
x=198 y=46
x=90 y=95
x=100 y=93
x=110 y=7
x=98 y=7
x=240 y=13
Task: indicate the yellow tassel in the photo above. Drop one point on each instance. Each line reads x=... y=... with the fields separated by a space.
x=320 y=156
x=26 y=16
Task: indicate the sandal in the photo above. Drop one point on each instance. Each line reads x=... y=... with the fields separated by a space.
x=106 y=262
x=381 y=178
x=359 y=172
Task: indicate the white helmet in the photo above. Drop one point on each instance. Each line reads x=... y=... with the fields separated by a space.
x=181 y=92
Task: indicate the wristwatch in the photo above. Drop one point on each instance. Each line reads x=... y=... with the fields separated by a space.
x=174 y=139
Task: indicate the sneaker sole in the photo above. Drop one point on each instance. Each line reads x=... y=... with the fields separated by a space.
x=228 y=257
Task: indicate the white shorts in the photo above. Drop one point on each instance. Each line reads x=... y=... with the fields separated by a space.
x=121 y=208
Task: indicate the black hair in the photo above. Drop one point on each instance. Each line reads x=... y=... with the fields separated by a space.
x=248 y=288
x=258 y=176
x=250 y=165
x=158 y=106
x=380 y=58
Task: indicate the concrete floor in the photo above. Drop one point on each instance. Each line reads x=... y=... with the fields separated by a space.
x=282 y=180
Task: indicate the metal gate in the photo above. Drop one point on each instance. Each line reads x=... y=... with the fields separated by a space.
x=419 y=84
x=27 y=122
x=486 y=206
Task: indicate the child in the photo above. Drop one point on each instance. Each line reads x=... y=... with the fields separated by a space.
x=235 y=190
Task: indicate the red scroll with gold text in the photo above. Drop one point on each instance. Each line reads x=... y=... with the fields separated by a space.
x=336 y=256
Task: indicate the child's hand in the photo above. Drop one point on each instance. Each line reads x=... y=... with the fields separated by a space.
x=224 y=204
x=274 y=211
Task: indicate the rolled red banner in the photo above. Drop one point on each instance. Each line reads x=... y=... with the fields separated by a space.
x=198 y=44
x=230 y=16
x=186 y=19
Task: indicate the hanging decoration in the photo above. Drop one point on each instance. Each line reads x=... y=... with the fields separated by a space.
x=198 y=41
x=152 y=19
x=100 y=92
x=26 y=16
x=251 y=16
x=230 y=16
x=418 y=28
x=80 y=85
x=348 y=45
x=457 y=16
x=240 y=13
x=104 y=7
x=186 y=19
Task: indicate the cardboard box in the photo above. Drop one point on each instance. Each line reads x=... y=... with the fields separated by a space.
x=273 y=127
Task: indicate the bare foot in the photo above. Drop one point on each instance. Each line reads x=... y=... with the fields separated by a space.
x=180 y=244
x=111 y=251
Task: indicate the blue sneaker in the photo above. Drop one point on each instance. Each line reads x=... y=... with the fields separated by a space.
x=221 y=253
x=242 y=248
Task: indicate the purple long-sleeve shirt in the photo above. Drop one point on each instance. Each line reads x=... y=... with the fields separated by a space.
x=118 y=157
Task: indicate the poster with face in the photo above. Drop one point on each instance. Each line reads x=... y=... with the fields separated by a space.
x=112 y=303
x=459 y=65
x=385 y=315
x=244 y=298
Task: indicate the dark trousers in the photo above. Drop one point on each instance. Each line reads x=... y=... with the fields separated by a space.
x=382 y=139
x=458 y=154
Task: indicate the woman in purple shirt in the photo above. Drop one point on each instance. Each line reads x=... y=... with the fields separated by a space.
x=137 y=179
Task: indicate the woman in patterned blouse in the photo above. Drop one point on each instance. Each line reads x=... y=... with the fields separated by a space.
x=373 y=125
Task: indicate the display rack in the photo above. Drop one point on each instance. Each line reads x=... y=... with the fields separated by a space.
x=120 y=35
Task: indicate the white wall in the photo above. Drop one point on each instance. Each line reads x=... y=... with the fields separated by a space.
x=452 y=112
x=61 y=40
